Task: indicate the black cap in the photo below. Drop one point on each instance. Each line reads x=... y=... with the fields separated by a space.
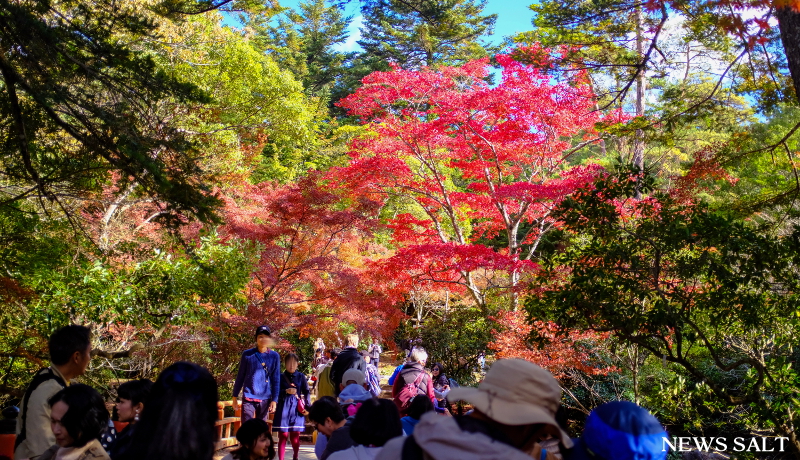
x=263 y=330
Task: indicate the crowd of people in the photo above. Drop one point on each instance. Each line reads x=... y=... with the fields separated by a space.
x=515 y=412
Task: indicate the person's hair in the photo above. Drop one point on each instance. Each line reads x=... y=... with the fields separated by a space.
x=418 y=355
x=248 y=434
x=376 y=422
x=420 y=404
x=135 y=391
x=291 y=356
x=177 y=422
x=66 y=341
x=438 y=366
x=351 y=341
x=335 y=352
x=86 y=416
x=326 y=407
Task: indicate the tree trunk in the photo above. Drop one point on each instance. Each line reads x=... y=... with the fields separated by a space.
x=789 y=23
x=514 y=293
x=638 y=137
x=638 y=141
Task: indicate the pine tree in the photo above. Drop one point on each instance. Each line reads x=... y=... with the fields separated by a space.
x=417 y=33
x=303 y=41
x=77 y=101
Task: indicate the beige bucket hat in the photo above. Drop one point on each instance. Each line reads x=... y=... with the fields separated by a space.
x=516 y=392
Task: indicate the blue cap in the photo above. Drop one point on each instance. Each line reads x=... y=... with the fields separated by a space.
x=263 y=330
x=621 y=430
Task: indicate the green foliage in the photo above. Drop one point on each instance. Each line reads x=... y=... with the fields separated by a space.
x=165 y=289
x=256 y=104
x=421 y=33
x=166 y=297
x=715 y=295
x=303 y=41
x=456 y=340
x=287 y=163
x=76 y=101
x=691 y=124
x=763 y=160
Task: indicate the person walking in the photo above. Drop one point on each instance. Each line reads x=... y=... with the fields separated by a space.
x=324 y=385
x=373 y=377
x=375 y=351
x=376 y=422
x=328 y=419
x=420 y=405
x=349 y=358
x=259 y=372
x=70 y=353
x=413 y=373
x=397 y=370
x=441 y=384
x=514 y=407
x=319 y=344
x=293 y=400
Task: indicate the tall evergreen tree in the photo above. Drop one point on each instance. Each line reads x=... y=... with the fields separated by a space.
x=417 y=33
x=304 y=41
x=77 y=101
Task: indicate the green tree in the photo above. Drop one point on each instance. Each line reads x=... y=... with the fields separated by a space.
x=456 y=340
x=665 y=52
x=76 y=101
x=417 y=33
x=712 y=295
x=304 y=42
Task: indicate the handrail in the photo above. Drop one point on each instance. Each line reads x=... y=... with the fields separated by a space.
x=228 y=426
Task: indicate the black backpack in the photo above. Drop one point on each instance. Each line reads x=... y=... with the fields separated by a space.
x=42 y=376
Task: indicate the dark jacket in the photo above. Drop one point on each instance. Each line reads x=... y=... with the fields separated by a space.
x=440 y=382
x=340 y=440
x=349 y=358
x=256 y=383
x=408 y=374
x=121 y=444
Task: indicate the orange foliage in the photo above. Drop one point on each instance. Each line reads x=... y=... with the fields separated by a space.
x=562 y=353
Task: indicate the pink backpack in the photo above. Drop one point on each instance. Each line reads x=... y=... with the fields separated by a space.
x=409 y=392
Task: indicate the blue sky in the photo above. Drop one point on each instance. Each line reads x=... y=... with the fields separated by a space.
x=512 y=16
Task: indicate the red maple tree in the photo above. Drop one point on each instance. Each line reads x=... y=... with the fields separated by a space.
x=313 y=271
x=476 y=167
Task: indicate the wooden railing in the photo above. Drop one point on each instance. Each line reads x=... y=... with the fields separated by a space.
x=227 y=426
x=226 y=431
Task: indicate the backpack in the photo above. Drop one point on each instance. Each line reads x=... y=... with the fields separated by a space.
x=42 y=376
x=409 y=392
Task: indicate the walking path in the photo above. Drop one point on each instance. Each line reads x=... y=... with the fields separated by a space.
x=306 y=452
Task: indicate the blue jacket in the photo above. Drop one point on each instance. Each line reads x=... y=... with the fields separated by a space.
x=251 y=376
x=394 y=374
x=408 y=425
x=623 y=431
